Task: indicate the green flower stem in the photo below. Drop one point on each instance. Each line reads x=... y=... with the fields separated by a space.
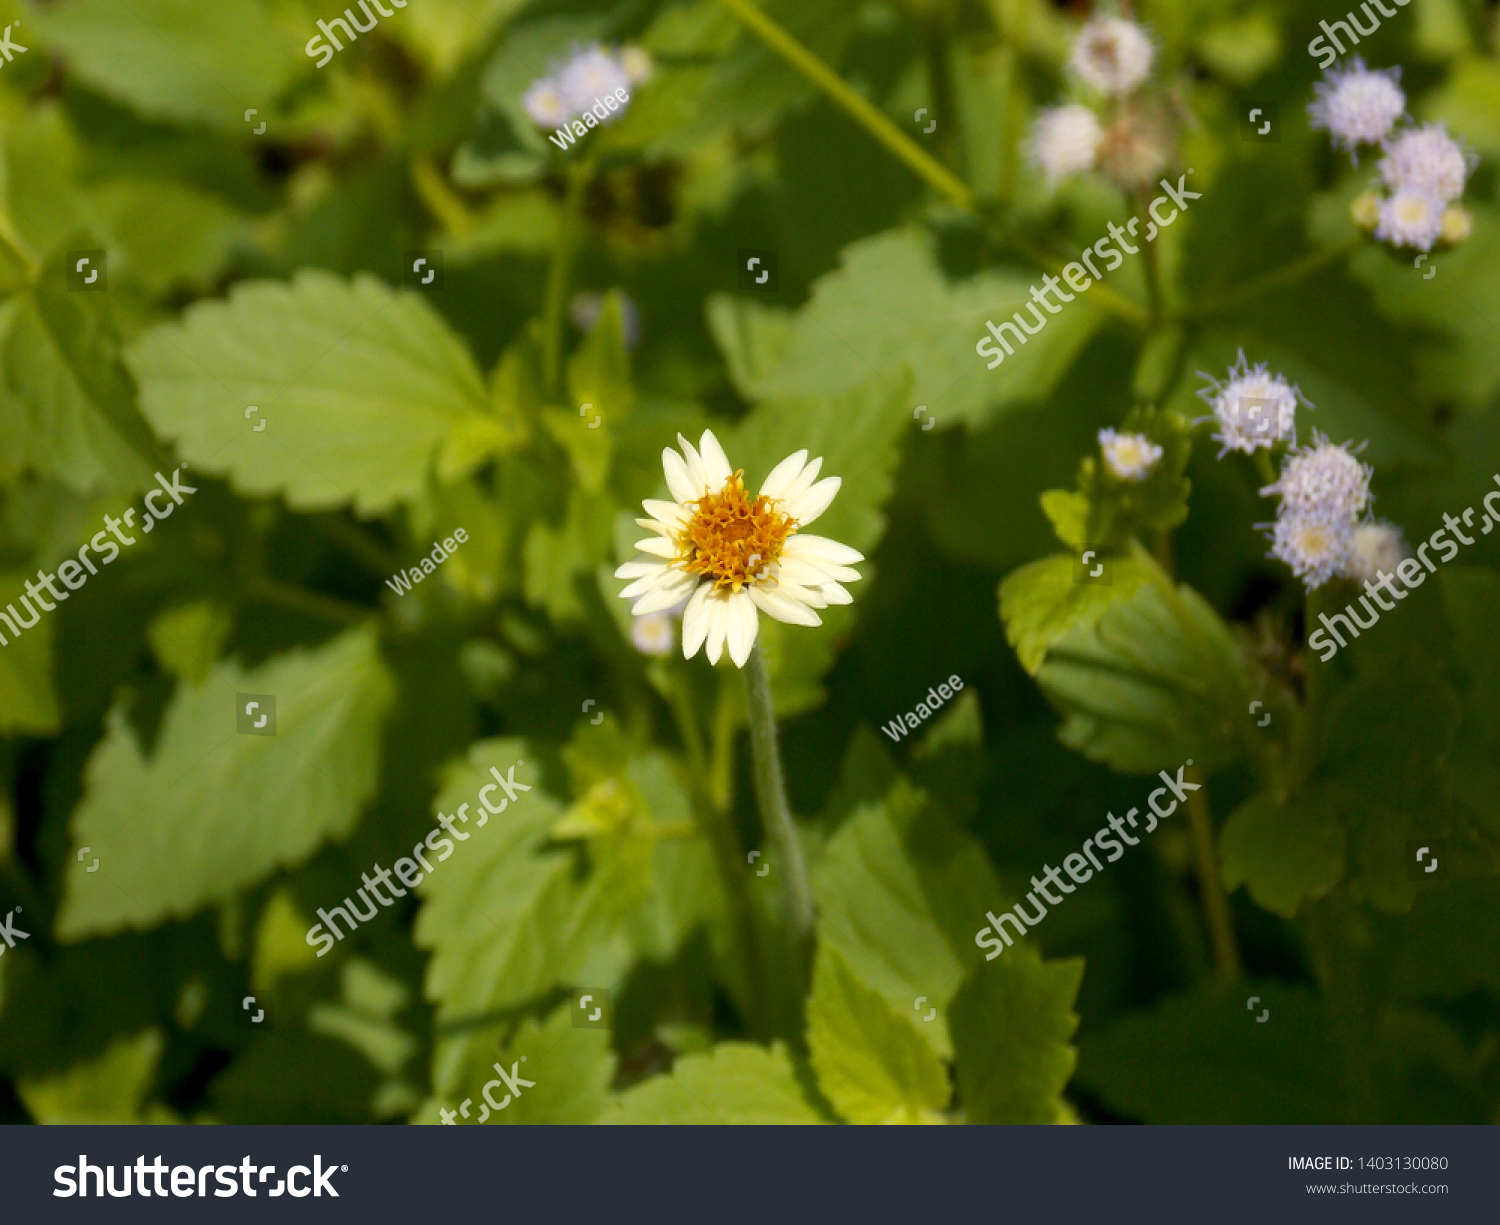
x=309 y=603
x=1263 y=466
x=796 y=895
x=1153 y=266
x=1211 y=887
x=557 y=279
x=852 y=104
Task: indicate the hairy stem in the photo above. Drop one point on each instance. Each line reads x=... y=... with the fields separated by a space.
x=796 y=895
x=1286 y=275
x=852 y=104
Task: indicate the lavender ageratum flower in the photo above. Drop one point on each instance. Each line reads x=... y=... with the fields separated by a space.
x=1129 y=456
x=1357 y=106
x=1113 y=55
x=1065 y=141
x=1325 y=481
x=575 y=86
x=589 y=76
x=1428 y=161
x=1377 y=547
x=1253 y=409
x=1411 y=219
x=1316 y=547
x=545 y=105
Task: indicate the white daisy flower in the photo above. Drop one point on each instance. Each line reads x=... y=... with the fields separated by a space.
x=589 y=76
x=1377 y=546
x=1065 y=141
x=1316 y=547
x=1129 y=456
x=1357 y=106
x=1426 y=160
x=545 y=104
x=1325 y=481
x=1254 y=408
x=1411 y=219
x=1112 y=55
x=730 y=556
x=653 y=634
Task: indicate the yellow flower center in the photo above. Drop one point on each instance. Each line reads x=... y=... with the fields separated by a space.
x=732 y=539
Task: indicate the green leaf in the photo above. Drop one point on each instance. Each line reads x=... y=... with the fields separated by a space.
x=734 y=1084
x=447 y=32
x=1449 y=945
x=506 y=923
x=898 y=890
x=177 y=59
x=871 y=1063
x=164 y=233
x=187 y=640
x=110 y=1089
x=212 y=811
x=1285 y=853
x=889 y=309
x=357 y=386
x=67 y=406
x=1041 y=602
x=1012 y=1022
x=1134 y=692
x=27 y=702
x=1471 y=600
x=1202 y=1057
x=556 y=556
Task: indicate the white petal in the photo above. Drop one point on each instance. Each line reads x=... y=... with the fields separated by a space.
x=678 y=479
x=718 y=627
x=715 y=462
x=820 y=548
x=782 y=475
x=668 y=513
x=814 y=573
x=804 y=480
x=811 y=596
x=774 y=604
x=636 y=569
x=695 y=465
x=657 y=547
x=651 y=582
x=655 y=601
x=806 y=507
x=835 y=594
x=743 y=626
x=695 y=621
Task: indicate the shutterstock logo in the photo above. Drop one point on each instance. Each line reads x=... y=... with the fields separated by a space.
x=186 y=1181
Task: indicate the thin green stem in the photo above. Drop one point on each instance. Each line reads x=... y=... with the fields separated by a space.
x=1153 y=267
x=364 y=550
x=935 y=44
x=557 y=279
x=1263 y=466
x=1211 y=888
x=311 y=603
x=796 y=894
x=852 y=104
x=1286 y=275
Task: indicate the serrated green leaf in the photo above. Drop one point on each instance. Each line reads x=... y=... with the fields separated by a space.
x=1041 y=602
x=177 y=59
x=898 y=889
x=212 y=811
x=110 y=1089
x=357 y=385
x=871 y=1063
x=164 y=233
x=1012 y=1023
x=1134 y=691
x=1285 y=853
x=734 y=1084
x=888 y=309
x=27 y=701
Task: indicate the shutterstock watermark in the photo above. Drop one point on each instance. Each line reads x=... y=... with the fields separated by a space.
x=1408 y=571
x=73 y=573
x=514 y=1082
x=406 y=869
x=1104 y=840
x=1074 y=272
x=188 y=1181
x=326 y=51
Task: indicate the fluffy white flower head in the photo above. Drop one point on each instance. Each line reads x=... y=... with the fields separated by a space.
x=1254 y=408
x=1325 y=481
x=1113 y=55
x=545 y=105
x=1357 y=106
x=589 y=76
x=1411 y=219
x=1377 y=546
x=1316 y=547
x=732 y=557
x=1065 y=141
x=1129 y=456
x=652 y=634
x=1426 y=160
